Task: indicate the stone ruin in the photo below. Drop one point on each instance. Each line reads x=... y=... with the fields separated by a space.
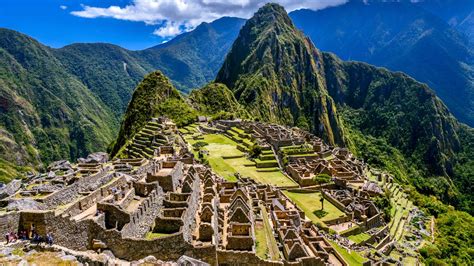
x=155 y=199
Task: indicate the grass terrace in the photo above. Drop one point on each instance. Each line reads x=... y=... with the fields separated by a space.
x=190 y=129
x=352 y=257
x=226 y=160
x=310 y=203
x=359 y=238
x=151 y=235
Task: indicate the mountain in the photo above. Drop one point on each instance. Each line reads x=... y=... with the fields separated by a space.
x=192 y=59
x=387 y=118
x=401 y=36
x=155 y=96
x=109 y=71
x=46 y=113
x=276 y=74
x=67 y=102
x=457 y=13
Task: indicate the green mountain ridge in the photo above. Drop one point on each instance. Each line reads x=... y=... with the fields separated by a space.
x=72 y=99
x=155 y=96
x=46 y=113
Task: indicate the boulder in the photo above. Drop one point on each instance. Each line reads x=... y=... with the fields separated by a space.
x=97 y=157
x=63 y=165
x=24 y=204
x=10 y=189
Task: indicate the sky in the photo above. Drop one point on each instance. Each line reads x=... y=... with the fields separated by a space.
x=132 y=24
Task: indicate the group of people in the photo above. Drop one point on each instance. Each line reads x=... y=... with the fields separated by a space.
x=32 y=235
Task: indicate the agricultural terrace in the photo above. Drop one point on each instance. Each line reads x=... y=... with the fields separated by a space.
x=224 y=158
x=352 y=257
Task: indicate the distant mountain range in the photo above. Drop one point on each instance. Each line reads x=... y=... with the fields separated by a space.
x=402 y=36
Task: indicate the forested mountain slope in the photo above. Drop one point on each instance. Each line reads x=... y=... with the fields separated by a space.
x=46 y=113
x=401 y=36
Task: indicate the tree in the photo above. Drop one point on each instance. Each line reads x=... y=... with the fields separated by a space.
x=255 y=151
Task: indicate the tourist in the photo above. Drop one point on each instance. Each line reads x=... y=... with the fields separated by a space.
x=7 y=238
x=49 y=239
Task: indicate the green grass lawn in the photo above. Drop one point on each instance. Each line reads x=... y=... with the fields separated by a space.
x=261 y=241
x=359 y=237
x=352 y=257
x=151 y=235
x=310 y=202
x=273 y=251
x=220 y=145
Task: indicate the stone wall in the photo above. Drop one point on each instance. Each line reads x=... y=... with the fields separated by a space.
x=71 y=192
x=334 y=201
x=87 y=201
x=193 y=205
x=39 y=219
x=9 y=222
x=143 y=218
x=115 y=217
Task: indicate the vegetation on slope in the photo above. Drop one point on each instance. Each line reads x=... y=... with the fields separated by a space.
x=275 y=72
x=403 y=36
x=46 y=114
x=217 y=101
x=155 y=96
x=399 y=124
x=109 y=71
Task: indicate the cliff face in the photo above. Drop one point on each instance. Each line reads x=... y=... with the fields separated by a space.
x=278 y=75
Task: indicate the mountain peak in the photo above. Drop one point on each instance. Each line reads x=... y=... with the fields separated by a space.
x=275 y=71
x=270 y=11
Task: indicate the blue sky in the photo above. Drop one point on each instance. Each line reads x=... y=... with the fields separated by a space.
x=133 y=24
x=45 y=21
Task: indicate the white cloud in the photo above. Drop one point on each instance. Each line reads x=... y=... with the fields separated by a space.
x=177 y=16
x=63 y=7
x=170 y=29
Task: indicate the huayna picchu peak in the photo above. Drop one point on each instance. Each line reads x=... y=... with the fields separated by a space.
x=276 y=72
x=286 y=155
